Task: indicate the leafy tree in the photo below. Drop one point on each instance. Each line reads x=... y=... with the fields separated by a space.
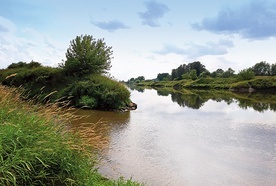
x=193 y=74
x=34 y=64
x=217 y=73
x=20 y=64
x=261 y=69
x=183 y=69
x=273 y=69
x=205 y=74
x=190 y=75
x=196 y=66
x=228 y=73
x=87 y=55
x=140 y=78
x=174 y=74
x=246 y=74
x=163 y=76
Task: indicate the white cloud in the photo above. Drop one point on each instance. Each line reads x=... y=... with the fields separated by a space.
x=26 y=45
x=194 y=51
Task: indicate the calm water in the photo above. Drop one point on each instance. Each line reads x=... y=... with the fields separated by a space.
x=174 y=139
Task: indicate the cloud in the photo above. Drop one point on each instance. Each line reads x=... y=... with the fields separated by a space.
x=256 y=20
x=28 y=44
x=3 y=28
x=6 y=25
x=110 y=26
x=194 y=50
x=154 y=12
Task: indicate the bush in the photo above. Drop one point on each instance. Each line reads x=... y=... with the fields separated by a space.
x=98 y=92
x=246 y=74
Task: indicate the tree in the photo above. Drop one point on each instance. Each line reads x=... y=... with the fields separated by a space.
x=186 y=69
x=217 y=73
x=193 y=74
x=273 y=69
x=246 y=74
x=228 y=73
x=20 y=64
x=196 y=66
x=261 y=69
x=87 y=55
x=163 y=76
x=140 y=78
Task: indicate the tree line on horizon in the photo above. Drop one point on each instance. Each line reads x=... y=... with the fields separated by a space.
x=197 y=70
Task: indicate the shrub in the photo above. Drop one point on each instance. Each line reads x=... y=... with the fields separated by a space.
x=246 y=74
x=98 y=92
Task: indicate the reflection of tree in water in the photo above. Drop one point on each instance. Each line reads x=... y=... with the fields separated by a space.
x=196 y=99
x=258 y=106
x=189 y=100
x=163 y=92
x=134 y=87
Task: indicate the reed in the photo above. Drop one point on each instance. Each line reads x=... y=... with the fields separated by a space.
x=37 y=148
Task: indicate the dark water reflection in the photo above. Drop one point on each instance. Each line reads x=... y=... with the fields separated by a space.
x=259 y=101
x=194 y=138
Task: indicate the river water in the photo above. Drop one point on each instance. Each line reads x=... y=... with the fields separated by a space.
x=175 y=139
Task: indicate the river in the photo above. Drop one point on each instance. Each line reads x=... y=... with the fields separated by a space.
x=188 y=139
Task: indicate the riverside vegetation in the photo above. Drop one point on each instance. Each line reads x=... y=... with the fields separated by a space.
x=82 y=78
x=36 y=148
x=195 y=76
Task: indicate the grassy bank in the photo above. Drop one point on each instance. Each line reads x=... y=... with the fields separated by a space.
x=258 y=83
x=36 y=148
x=93 y=91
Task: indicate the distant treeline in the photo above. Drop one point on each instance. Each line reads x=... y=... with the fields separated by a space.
x=197 y=70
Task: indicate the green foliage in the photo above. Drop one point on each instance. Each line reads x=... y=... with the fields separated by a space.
x=86 y=101
x=261 y=69
x=193 y=74
x=86 y=56
x=136 y=80
x=21 y=64
x=163 y=77
x=38 y=76
x=263 y=83
x=35 y=148
x=98 y=92
x=273 y=69
x=190 y=75
x=246 y=74
x=228 y=73
x=183 y=69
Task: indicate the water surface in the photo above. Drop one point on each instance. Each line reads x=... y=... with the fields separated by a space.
x=172 y=139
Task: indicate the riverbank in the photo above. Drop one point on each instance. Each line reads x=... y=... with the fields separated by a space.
x=233 y=84
x=48 y=84
x=36 y=148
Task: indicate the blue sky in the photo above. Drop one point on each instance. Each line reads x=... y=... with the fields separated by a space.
x=148 y=37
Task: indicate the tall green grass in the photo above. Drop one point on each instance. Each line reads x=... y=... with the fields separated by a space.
x=37 y=149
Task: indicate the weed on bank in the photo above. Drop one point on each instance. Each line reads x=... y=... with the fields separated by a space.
x=36 y=149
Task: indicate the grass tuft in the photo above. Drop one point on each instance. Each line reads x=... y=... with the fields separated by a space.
x=37 y=148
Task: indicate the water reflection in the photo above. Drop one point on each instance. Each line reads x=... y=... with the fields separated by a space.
x=259 y=101
x=193 y=138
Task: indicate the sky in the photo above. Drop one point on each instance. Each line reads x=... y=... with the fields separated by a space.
x=147 y=36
